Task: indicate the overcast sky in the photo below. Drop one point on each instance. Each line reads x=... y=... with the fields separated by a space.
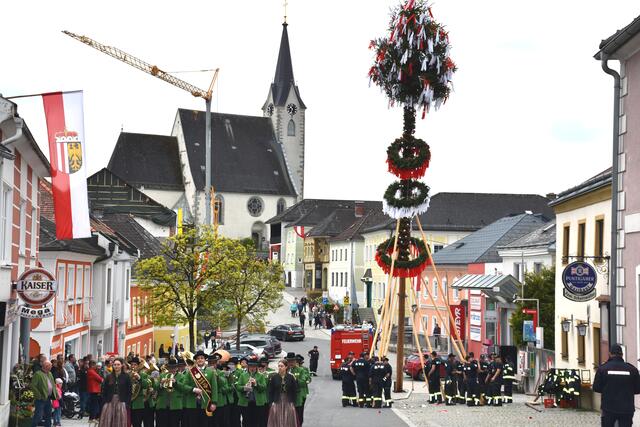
x=531 y=111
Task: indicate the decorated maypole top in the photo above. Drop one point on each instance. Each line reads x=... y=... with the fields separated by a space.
x=412 y=65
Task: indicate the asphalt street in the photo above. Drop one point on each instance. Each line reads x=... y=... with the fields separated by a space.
x=324 y=404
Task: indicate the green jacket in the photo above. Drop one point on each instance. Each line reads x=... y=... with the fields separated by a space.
x=172 y=400
x=187 y=384
x=260 y=389
x=303 y=377
x=223 y=387
x=39 y=385
x=145 y=383
x=232 y=396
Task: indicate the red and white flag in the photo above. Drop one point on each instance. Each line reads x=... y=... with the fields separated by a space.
x=65 y=127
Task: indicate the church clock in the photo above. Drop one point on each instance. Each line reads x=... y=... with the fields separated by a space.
x=270 y=109
x=292 y=109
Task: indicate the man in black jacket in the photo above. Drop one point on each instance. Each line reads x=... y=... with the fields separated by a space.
x=618 y=381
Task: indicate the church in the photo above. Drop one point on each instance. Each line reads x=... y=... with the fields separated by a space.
x=257 y=161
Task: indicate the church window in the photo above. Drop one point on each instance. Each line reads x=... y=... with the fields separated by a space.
x=219 y=208
x=255 y=206
x=282 y=205
x=291 y=128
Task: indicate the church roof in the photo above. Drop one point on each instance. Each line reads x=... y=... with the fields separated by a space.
x=283 y=79
x=246 y=157
x=146 y=160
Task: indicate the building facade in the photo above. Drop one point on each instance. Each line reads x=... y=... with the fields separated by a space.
x=22 y=166
x=624 y=46
x=583 y=219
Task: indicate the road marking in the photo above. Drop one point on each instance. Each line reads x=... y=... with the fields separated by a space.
x=410 y=423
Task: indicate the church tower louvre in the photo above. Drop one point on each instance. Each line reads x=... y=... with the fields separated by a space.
x=287 y=112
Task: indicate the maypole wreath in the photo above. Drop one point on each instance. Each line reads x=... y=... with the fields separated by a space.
x=413 y=68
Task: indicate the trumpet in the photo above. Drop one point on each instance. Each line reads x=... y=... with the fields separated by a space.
x=168 y=382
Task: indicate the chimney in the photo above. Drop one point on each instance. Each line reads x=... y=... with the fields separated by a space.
x=359 y=209
x=551 y=196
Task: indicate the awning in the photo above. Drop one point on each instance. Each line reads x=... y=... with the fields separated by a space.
x=502 y=288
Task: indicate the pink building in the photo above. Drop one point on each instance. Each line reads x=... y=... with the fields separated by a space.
x=624 y=46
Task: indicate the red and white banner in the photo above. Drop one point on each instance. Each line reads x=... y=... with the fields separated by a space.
x=459 y=321
x=65 y=127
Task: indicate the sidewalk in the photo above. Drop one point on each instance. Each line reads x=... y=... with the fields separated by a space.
x=283 y=315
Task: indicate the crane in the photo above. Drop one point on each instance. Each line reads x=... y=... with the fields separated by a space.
x=171 y=79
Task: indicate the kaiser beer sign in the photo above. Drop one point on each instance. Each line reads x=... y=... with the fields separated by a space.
x=458 y=320
x=36 y=287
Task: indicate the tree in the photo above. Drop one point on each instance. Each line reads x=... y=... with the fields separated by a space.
x=541 y=286
x=185 y=279
x=252 y=288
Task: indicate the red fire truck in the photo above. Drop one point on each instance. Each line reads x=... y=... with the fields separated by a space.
x=345 y=339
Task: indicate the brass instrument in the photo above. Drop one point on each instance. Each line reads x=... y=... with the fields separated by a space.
x=135 y=380
x=168 y=383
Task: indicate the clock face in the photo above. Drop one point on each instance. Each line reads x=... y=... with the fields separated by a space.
x=270 y=109
x=292 y=109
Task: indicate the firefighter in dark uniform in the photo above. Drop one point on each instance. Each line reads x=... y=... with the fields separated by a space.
x=435 y=396
x=483 y=371
x=450 y=383
x=471 y=379
x=376 y=382
x=461 y=390
x=494 y=382
x=508 y=378
x=618 y=382
x=388 y=373
x=361 y=369
x=348 y=382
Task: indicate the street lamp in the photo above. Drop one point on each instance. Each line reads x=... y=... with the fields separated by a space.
x=566 y=325
x=582 y=329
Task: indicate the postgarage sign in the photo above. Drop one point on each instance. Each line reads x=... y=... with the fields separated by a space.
x=36 y=287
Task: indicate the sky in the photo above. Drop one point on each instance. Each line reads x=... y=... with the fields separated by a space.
x=531 y=110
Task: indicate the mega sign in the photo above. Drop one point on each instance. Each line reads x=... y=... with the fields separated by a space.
x=36 y=287
x=458 y=320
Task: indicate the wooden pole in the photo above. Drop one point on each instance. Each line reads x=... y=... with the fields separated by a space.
x=433 y=265
x=386 y=337
x=424 y=330
x=386 y=297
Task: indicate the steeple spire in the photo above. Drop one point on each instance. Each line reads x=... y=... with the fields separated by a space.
x=286 y=3
x=283 y=79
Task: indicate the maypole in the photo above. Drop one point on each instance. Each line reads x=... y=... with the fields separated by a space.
x=413 y=68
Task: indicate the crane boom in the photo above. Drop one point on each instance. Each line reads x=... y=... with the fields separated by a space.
x=146 y=67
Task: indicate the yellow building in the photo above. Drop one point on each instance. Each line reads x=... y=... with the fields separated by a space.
x=163 y=335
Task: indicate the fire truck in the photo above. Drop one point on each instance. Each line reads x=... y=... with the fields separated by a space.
x=345 y=339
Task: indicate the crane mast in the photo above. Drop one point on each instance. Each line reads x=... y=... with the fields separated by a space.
x=155 y=71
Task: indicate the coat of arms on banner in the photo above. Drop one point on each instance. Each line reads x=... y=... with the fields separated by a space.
x=69 y=151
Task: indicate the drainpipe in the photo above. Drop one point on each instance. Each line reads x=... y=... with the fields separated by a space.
x=613 y=268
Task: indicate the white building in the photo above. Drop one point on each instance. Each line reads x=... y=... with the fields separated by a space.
x=530 y=253
x=583 y=218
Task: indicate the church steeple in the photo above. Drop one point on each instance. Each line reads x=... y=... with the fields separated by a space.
x=283 y=79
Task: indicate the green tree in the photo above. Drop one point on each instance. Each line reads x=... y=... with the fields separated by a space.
x=541 y=286
x=252 y=288
x=185 y=280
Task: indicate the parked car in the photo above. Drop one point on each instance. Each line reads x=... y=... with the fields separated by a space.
x=288 y=332
x=413 y=367
x=245 y=350
x=270 y=346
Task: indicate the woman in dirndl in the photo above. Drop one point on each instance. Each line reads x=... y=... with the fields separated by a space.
x=116 y=395
x=282 y=395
